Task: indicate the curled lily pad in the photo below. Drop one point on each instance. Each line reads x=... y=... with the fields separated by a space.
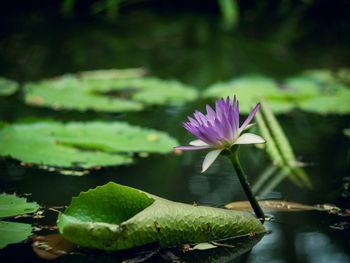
x=80 y=145
x=12 y=205
x=102 y=91
x=7 y=86
x=13 y=232
x=116 y=217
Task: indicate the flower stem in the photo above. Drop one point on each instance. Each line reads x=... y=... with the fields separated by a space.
x=245 y=184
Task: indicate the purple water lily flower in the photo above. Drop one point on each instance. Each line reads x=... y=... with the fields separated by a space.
x=219 y=130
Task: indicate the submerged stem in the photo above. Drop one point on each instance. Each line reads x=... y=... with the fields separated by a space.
x=245 y=184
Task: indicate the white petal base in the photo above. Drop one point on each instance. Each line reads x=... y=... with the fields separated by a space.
x=198 y=143
x=209 y=159
x=249 y=138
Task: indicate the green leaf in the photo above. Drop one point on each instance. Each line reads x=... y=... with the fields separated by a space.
x=80 y=145
x=204 y=246
x=329 y=77
x=12 y=205
x=110 y=74
x=322 y=91
x=333 y=103
x=115 y=217
x=103 y=91
x=347 y=132
x=272 y=205
x=249 y=90
x=7 y=87
x=11 y=232
x=318 y=91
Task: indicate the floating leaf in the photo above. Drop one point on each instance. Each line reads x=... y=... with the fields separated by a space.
x=70 y=93
x=330 y=92
x=272 y=205
x=111 y=74
x=204 y=246
x=329 y=77
x=7 y=87
x=51 y=246
x=116 y=217
x=285 y=206
x=347 y=132
x=334 y=103
x=103 y=91
x=228 y=251
x=301 y=88
x=80 y=145
x=11 y=205
x=12 y=232
x=249 y=90
x=318 y=91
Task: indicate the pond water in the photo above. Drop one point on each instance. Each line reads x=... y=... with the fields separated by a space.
x=197 y=51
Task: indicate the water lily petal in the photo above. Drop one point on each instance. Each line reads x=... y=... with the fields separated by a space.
x=193 y=122
x=191 y=148
x=220 y=108
x=249 y=138
x=198 y=143
x=209 y=159
x=250 y=117
x=210 y=114
x=200 y=117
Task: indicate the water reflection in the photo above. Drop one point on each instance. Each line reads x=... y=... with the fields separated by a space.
x=316 y=247
x=294 y=238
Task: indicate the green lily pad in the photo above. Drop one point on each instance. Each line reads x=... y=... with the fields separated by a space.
x=115 y=217
x=12 y=232
x=111 y=74
x=337 y=102
x=322 y=91
x=301 y=88
x=329 y=77
x=249 y=90
x=319 y=91
x=7 y=87
x=92 y=91
x=347 y=132
x=80 y=145
x=12 y=205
